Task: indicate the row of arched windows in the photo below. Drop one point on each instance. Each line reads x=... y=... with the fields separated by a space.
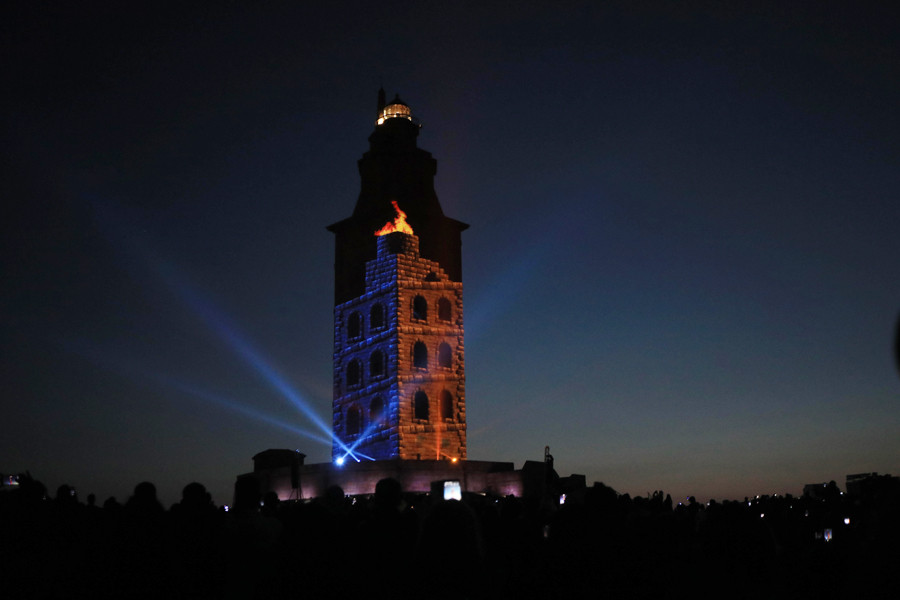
x=420 y=355
x=420 y=309
x=354 y=416
x=377 y=316
x=355 y=321
x=421 y=405
x=421 y=411
x=354 y=368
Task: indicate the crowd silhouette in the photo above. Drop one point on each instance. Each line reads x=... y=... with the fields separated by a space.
x=597 y=544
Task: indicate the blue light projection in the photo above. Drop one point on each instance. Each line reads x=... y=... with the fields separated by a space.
x=246 y=410
x=217 y=321
x=132 y=369
x=351 y=450
x=132 y=239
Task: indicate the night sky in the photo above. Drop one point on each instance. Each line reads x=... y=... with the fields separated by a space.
x=682 y=271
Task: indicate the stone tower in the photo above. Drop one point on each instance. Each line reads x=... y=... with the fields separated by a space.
x=399 y=368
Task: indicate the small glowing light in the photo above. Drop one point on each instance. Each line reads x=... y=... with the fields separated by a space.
x=762 y=515
x=562 y=499
x=340 y=461
x=226 y=508
x=453 y=460
x=394 y=110
x=827 y=535
x=846 y=520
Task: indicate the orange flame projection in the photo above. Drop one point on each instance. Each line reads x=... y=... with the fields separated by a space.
x=398 y=224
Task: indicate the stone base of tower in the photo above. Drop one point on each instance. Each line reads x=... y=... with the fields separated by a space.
x=296 y=481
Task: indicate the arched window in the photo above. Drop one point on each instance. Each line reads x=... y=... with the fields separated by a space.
x=375 y=409
x=353 y=372
x=444 y=311
x=376 y=364
x=420 y=308
x=420 y=355
x=354 y=326
x=444 y=355
x=420 y=405
x=376 y=316
x=446 y=405
x=353 y=421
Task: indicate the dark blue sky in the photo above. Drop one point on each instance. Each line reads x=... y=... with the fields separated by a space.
x=681 y=272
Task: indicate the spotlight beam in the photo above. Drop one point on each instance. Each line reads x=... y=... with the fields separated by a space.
x=170 y=276
x=131 y=369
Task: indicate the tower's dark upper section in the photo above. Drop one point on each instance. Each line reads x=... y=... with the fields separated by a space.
x=394 y=168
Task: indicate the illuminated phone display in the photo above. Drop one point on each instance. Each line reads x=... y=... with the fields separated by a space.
x=452 y=491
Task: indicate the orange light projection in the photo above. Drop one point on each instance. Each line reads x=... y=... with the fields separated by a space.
x=398 y=224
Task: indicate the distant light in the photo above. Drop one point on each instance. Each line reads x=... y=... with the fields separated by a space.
x=562 y=499
x=339 y=461
x=226 y=508
x=453 y=460
x=827 y=535
x=846 y=520
x=762 y=515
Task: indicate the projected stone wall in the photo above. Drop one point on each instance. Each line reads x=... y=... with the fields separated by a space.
x=399 y=361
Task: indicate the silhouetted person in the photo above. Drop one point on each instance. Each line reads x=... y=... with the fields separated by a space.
x=270 y=504
x=449 y=557
x=139 y=555
x=389 y=531
x=251 y=545
x=195 y=551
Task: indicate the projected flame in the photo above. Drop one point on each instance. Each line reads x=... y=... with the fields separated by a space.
x=398 y=224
